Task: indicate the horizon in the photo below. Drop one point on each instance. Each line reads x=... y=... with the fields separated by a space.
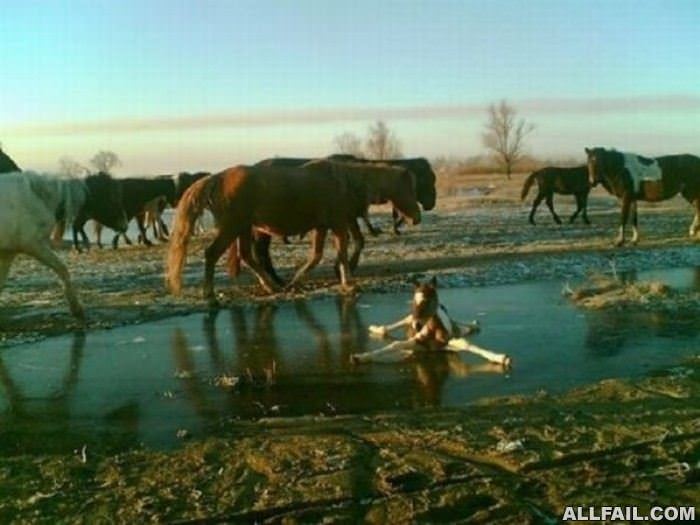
x=204 y=85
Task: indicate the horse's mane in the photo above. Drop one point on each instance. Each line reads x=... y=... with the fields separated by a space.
x=58 y=192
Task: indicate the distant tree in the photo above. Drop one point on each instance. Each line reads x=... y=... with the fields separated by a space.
x=349 y=144
x=70 y=166
x=382 y=142
x=105 y=161
x=505 y=135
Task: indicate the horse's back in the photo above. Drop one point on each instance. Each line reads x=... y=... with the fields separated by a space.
x=289 y=200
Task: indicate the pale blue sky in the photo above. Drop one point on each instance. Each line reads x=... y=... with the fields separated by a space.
x=173 y=85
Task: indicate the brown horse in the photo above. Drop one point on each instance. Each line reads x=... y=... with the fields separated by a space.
x=633 y=177
x=419 y=166
x=262 y=240
x=318 y=197
x=565 y=181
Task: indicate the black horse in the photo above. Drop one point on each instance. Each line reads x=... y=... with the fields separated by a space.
x=632 y=177
x=565 y=181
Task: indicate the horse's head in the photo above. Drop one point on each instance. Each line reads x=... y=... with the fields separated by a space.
x=595 y=161
x=403 y=194
x=425 y=299
x=105 y=197
x=425 y=183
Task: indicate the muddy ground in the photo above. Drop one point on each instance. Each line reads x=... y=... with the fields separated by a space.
x=516 y=460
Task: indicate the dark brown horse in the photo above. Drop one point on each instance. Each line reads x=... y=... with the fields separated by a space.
x=633 y=177
x=318 y=197
x=419 y=166
x=565 y=181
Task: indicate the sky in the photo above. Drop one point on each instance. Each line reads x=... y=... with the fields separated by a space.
x=189 y=85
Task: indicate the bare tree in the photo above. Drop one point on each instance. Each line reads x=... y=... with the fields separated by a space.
x=348 y=143
x=70 y=166
x=505 y=135
x=382 y=143
x=105 y=161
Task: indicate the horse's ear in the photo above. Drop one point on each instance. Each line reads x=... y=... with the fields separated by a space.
x=433 y=282
x=588 y=151
x=415 y=282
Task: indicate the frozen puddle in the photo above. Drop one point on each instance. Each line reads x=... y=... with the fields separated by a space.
x=143 y=384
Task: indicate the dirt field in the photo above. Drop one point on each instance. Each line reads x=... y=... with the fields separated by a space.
x=504 y=461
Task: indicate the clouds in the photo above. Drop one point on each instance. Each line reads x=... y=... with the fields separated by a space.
x=314 y=116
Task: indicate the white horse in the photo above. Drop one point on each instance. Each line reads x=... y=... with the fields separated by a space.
x=29 y=206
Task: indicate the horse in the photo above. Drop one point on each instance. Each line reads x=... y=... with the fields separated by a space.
x=137 y=192
x=29 y=205
x=565 y=181
x=373 y=190
x=425 y=179
x=7 y=165
x=631 y=177
x=430 y=328
x=95 y=207
x=318 y=197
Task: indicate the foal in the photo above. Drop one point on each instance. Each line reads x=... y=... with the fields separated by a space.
x=429 y=327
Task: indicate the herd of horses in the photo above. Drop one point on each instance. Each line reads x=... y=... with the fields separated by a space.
x=282 y=197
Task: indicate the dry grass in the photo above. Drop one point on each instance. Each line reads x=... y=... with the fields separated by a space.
x=602 y=291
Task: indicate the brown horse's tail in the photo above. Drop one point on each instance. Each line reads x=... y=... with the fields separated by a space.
x=233 y=262
x=527 y=185
x=191 y=206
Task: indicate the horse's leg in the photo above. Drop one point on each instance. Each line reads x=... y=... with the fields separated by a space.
x=317 y=242
x=98 y=233
x=164 y=232
x=696 y=220
x=384 y=329
x=245 y=249
x=44 y=254
x=584 y=204
x=535 y=204
x=397 y=219
x=212 y=254
x=341 y=246
x=624 y=215
x=6 y=259
x=142 y=229
x=127 y=239
x=635 y=230
x=261 y=253
x=358 y=243
x=550 y=204
x=579 y=207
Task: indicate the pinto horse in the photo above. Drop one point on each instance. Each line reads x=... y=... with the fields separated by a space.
x=318 y=197
x=632 y=177
x=29 y=205
x=565 y=181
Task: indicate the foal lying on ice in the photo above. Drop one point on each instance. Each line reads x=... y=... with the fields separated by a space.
x=429 y=328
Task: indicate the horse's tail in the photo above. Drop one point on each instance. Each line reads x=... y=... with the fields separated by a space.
x=527 y=185
x=191 y=206
x=233 y=262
